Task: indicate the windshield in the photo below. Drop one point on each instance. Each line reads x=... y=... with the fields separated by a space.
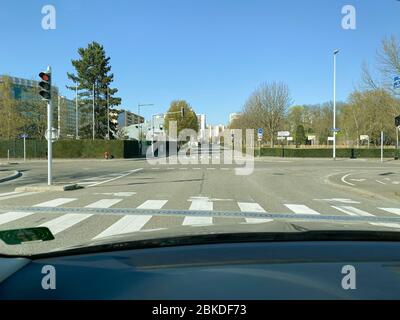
x=159 y=119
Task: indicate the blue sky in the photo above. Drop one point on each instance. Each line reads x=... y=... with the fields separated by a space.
x=213 y=53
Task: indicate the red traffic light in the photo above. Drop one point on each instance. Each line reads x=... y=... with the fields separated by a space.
x=44 y=76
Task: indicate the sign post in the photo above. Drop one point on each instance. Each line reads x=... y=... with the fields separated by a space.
x=260 y=137
x=24 y=136
x=382 y=146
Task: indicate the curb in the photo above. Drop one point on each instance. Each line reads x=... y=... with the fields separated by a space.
x=15 y=175
x=46 y=188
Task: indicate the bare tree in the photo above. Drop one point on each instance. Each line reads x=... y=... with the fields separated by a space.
x=267 y=107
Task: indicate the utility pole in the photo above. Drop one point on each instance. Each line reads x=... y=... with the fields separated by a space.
x=93 y=132
x=334 y=103
x=76 y=114
x=108 y=113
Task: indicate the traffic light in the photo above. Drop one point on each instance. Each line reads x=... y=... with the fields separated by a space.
x=45 y=85
x=182 y=112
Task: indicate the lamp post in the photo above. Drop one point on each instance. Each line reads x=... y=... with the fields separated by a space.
x=334 y=103
x=76 y=113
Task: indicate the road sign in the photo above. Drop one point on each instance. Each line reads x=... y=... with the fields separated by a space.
x=331 y=139
x=310 y=138
x=24 y=136
x=283 y=134
x=260 y=133
x=281 y=138
x=335 y=130
x=289 y=138
x=54 y=134
x=396 y=82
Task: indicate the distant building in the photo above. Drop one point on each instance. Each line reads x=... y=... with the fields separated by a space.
x=233 y=116
x=214 y=132
x=201 y=119
x=127 y=118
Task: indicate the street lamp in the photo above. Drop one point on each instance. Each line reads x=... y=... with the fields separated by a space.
x=335 y=53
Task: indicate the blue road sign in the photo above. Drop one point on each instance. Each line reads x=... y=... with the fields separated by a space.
x=260 y=133
x=396 y=82
x=24 y=136
x=335 y=130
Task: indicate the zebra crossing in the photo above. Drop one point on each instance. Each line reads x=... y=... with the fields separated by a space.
x=65 y=222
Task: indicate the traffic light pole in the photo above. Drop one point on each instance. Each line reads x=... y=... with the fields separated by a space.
x=49 y=140
x=49 y=144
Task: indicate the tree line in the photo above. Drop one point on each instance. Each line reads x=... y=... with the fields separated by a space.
x=93 y=82
x=369 y=109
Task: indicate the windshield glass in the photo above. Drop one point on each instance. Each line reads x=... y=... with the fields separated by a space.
x=151 y=119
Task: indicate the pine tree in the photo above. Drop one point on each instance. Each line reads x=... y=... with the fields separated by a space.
x=93 y=74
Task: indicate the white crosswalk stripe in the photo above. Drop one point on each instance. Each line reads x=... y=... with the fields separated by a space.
x=351 y=211
x=55 y=203
x=301 y=209
x=199 y=205
x=152 y=204
x=253 y=207
x=126 y=224
x=64 y=222
x=12 y=216
x=104 y=203
x=391 y=210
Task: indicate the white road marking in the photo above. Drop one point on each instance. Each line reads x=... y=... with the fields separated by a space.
x=118 y=194
x=387 y=225
x=9 y=193
x=104 y=203
x=199 y=205
x=18 y=195
x=126 y=224
x=358 y=180
x=65 y=222
x=55 y=203
x=12 y=216
x=152 y=204
x=344 y=179
x=253 y=207
x=349 y=201
x=391 y=210
x=351 y=211
x=380 y=182
x=113 y=179
x=197 y=221
x=301 y=209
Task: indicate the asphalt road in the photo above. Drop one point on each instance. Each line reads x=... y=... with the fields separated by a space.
x=284 y=186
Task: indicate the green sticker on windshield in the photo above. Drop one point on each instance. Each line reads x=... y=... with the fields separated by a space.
x=19 y=236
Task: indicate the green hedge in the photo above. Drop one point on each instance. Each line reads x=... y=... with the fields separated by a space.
x=327 y=153
x=70 y=148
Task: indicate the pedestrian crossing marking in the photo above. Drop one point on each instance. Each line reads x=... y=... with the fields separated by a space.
x=12 y=216
x=104 y=203
x=126 y=224
x=64 y=222
x=55 y=203
x=301 y=209
x=351 y=211
x=152 y=204
x=253 y=207
x=391 y=210
x=197 y=221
